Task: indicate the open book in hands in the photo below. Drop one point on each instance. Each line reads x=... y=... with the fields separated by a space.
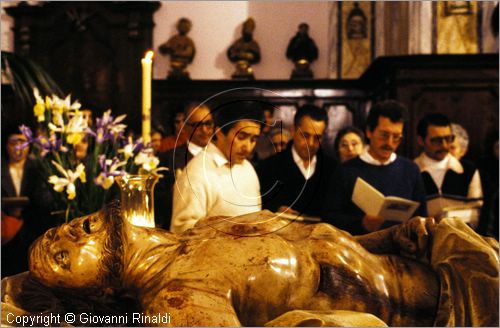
x=467 y=209
x=373 y=202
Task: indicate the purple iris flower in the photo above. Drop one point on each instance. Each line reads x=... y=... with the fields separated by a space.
x=109 y=169
x=26 y=131
x=49 y=144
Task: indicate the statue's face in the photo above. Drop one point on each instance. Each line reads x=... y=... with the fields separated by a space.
x=72 y=255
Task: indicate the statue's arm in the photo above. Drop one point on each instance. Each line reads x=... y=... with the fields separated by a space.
x=412 y=238
x=166 y=47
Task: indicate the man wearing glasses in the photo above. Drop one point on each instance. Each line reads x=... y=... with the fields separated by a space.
x=198 y=128
x=378 y=165
x=220 y=181
x=442 y=173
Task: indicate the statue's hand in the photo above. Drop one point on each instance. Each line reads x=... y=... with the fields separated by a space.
x=414 y=237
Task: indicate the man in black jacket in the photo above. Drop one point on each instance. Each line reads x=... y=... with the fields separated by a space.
x=441 y=172
x=295 y=181
x=199 y=128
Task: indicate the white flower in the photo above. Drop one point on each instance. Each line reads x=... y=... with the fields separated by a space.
x=76 y=128
x=57 y=124
x=105 y=181
x=131 y=148
x=68 y=180
x=115 y=128
x=147 y=160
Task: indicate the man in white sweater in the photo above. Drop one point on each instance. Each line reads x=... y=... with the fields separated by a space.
x=220 y=180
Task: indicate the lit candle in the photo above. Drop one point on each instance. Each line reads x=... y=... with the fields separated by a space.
x=147 y=63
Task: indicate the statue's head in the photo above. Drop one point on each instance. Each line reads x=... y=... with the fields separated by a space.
x=304 y=29
x=184 y=26
x=83 y=253
x=248 y=28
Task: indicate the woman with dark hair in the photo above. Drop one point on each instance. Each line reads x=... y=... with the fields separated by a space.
x=25 y=201
x=349 y=143
x=18 y=181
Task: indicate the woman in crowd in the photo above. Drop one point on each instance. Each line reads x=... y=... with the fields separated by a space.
x=22 y=199
x=349 y=143
x=460 y=145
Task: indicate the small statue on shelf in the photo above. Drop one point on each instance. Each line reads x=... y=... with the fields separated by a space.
x=244 y=52
x=181 y=50
x=302 y=50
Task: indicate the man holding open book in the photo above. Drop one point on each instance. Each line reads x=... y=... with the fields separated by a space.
x=442 y=173
x=381 y=169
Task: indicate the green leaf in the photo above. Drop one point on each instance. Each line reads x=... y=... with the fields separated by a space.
x=25 y=75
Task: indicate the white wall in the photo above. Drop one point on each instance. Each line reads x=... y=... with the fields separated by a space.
x=7 y=23
x=217 y=24
x=210 y=34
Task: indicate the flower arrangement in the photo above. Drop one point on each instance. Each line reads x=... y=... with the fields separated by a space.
x=83 y=185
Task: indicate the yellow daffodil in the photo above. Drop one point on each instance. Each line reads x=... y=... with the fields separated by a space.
x=39 y=108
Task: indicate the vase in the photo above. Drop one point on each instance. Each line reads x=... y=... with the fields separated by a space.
x=137 y=198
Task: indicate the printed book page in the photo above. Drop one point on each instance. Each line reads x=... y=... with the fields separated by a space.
x=436 y=204
x=373 y=202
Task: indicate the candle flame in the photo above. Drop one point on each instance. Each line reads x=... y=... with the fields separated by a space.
x=149 y=55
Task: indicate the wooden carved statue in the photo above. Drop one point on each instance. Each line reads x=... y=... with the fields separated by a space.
x=260 y=269
x=302 y=50
x=181 y=50
x=244 y=52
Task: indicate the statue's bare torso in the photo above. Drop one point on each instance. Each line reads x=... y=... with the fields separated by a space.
x=229 y=273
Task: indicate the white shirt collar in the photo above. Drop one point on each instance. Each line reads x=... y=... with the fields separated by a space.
x=194 y=148
x=450 y=162
x=219 y=158
x=307 y=172
x=366 y=157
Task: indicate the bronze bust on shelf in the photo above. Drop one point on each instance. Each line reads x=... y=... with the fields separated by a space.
x=261 y=269
x=181 y=50
x=302 y=50
x=244 y=52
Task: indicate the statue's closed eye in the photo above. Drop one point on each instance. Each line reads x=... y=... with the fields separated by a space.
x=62 y=259
x=86 y=226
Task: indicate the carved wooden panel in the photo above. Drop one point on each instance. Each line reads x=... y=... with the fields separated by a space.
x=91 y=49
x=463 y=87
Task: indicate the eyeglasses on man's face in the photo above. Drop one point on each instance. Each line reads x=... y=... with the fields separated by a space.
x=439 y=140
x=208 y=123
x=385 y=136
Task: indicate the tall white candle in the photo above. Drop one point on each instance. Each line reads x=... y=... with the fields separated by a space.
x=147 y=63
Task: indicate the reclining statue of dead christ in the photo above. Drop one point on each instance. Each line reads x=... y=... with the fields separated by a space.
x=259 y=269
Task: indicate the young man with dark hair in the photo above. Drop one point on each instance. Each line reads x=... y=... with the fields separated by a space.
x=296 y=180
x=442 y=173
x=378 y=165
x=220 y=180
